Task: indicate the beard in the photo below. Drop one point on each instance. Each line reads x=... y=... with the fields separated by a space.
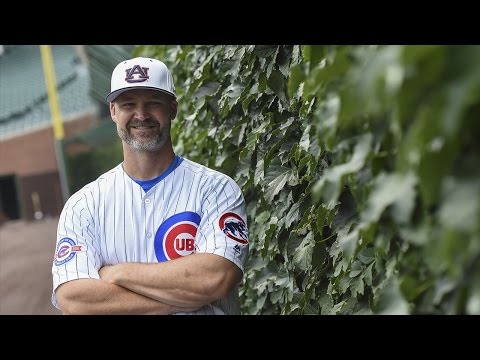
x=150 y=142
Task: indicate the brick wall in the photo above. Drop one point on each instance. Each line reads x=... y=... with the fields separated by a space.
x=34 y=153
x=30 y=159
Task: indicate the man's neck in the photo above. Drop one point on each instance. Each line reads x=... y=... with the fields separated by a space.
x=142 y=165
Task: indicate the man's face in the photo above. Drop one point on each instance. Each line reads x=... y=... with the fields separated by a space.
x=143 y=118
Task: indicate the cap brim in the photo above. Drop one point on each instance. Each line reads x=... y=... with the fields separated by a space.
x=114 y=94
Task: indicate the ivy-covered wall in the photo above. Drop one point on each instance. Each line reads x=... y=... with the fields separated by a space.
x=359 y=165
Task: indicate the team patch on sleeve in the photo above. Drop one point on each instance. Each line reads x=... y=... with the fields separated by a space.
x=66 y=251
x=234 y=227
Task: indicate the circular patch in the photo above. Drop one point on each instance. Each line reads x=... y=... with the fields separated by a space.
x=176 y=236
x=66 y=250
x=234 y=227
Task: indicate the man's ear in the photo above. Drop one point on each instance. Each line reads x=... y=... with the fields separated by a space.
x=173 y=109
x=112 y=112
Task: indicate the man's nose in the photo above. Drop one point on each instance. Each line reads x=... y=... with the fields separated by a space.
x=141 y=113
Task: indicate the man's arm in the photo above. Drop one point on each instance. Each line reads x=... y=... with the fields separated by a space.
x=190 y=281
x=92 y=296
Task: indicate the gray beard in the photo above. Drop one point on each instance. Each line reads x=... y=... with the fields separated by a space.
x=152 y=143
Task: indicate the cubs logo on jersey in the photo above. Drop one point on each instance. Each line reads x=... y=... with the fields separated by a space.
x=234 y=227
x=66 y=251
x=176 y=236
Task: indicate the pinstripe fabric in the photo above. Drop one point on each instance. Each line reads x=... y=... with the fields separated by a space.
x=113 y=220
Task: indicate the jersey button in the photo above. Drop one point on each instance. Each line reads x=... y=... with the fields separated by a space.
x=147 y=201
x=149 y=235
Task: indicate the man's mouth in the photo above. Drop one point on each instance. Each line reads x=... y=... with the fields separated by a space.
x=142 y=126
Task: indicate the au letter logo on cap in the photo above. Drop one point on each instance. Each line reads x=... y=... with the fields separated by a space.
x=142 y=73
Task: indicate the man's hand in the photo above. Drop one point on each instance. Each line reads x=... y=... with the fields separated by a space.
x=106 y=273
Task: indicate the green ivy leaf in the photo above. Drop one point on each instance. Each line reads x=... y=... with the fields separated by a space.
x=337 y=308
x=306 y=221
x=265 y=50
x=207 y=89
x=283 y=279
x=293 y=243
x=276 y=82
x=276 y=295
x=335 y=174
x=366 y=256
x=355 y=269
x=296 y=78
x=368 y=274
x=272 y=153
x=272 y=62
x=246 y=102
x=296 y=54
x=283 y=204
x=259 y=172
x=396 y=189
x=347 y=241
x=256 y=263
x=305 y=140
x=321 y=216
x=357 y=286
x=303 y=255
x=272 y=225
x=310 y=309
x=261 y=301
x=473 y=302
x=391 y=302
x=319 y=254
x=314 y=54
x=292 y=215
x=252 y=140
x=461 y=205
x=262 y=217
x=276 y=178
x=243 y=171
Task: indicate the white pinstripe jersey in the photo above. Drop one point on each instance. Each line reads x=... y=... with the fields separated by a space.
x=113 y=220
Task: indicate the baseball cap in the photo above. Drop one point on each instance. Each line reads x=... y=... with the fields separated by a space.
x=141 y=73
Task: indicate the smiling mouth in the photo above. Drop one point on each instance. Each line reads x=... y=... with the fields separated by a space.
x=142 y=127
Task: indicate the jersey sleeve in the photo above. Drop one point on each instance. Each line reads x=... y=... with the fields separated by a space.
x=223 y=226
x=76 y=253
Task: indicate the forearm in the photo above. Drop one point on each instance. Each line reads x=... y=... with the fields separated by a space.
x=191 y=281
x=92 y=296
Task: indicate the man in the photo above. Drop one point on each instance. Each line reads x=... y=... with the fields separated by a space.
x=157 y=234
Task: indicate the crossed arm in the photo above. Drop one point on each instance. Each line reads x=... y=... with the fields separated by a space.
x=183 y=284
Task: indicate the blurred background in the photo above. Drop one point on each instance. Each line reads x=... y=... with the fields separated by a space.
x=35 y=178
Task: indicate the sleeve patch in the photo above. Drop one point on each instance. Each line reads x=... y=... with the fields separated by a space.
x=234 y=227
x=66 y=251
